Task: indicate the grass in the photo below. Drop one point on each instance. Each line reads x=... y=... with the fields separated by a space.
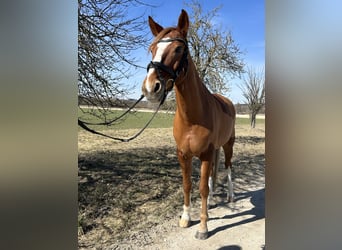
x=138 y=119
x=132 y=120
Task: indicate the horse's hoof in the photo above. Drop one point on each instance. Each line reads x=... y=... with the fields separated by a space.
x=184 y=223
x=201 y=236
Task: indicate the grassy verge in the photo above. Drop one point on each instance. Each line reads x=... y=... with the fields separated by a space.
x=139 y=119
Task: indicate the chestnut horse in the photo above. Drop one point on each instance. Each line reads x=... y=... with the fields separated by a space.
x=203 y=122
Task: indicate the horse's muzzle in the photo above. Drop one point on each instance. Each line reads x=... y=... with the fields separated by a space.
x=154 y=92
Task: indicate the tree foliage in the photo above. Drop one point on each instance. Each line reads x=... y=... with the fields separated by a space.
x=253 y=90
x=216 y=56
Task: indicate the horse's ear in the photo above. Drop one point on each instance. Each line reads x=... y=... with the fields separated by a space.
x=155 y=27
x=183 y=23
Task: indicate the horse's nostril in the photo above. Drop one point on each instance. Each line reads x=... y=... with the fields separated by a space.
x=157 y=87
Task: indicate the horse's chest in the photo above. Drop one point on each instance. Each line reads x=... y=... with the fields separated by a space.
x=192 y=141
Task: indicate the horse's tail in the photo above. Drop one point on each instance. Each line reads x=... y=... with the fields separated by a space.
x=216 y=166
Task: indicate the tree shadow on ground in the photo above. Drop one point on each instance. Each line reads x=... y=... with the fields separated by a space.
x=141 y=163
x=119 y=183
x=249 y=139
x=232 y=247
x=127 y=184
x=257 y=198
x=247 y=172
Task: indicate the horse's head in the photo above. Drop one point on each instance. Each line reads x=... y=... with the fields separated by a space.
x=169 y=58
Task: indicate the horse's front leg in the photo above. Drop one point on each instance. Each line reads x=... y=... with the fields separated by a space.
x=206 y=166
x=185 y=163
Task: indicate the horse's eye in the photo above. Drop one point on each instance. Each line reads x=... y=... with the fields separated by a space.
x=178 y=49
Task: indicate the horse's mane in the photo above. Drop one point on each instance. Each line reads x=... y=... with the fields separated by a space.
x=160 y=36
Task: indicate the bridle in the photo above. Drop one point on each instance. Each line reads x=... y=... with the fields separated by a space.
x=159 y=67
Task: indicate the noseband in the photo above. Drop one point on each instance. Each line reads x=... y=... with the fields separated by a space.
x=159 y=66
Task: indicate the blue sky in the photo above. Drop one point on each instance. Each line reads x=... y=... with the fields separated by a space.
x=245 y=19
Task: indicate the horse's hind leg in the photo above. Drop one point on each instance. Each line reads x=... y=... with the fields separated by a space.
x=228 y=152
x=213 y=178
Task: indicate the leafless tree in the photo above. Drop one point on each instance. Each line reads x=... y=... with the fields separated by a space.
x=216 y=56
x=106 y=37
x=253 y=90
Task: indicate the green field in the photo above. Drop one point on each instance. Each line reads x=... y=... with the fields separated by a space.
x=139 y=119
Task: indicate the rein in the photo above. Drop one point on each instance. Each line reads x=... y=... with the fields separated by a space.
x=83 y=124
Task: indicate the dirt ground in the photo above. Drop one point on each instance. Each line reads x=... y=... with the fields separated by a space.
x=130 y=194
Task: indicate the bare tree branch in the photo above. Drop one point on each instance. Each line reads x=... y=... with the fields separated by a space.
x=106 y=37
x=214 y=52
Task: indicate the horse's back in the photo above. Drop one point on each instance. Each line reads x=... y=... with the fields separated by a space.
x=226 y=105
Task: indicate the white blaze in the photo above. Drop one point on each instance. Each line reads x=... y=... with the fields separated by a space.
x=161 y=46
x=157 y=58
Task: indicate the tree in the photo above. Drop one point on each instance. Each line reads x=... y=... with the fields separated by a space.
x=253 y=90
x=106 y=37
x=213 y=50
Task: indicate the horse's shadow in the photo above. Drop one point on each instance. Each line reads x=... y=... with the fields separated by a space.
x=257 y=198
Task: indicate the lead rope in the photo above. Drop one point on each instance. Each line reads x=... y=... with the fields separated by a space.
x=116 y=118
x=83 y=125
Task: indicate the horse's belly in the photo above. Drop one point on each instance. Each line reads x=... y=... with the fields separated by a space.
x=222 y=137
x=222 y=132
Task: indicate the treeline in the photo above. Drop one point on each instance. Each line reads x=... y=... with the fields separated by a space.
x=168 y=105
x=243 y=109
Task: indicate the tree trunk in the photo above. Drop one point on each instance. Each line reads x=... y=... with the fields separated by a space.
x=253 y=120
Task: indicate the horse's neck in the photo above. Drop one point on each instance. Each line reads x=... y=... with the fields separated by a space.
x=191 y=96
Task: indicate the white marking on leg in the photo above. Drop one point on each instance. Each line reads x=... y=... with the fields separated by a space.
x=186 y=213
x=230 y=185
x=210 y=184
